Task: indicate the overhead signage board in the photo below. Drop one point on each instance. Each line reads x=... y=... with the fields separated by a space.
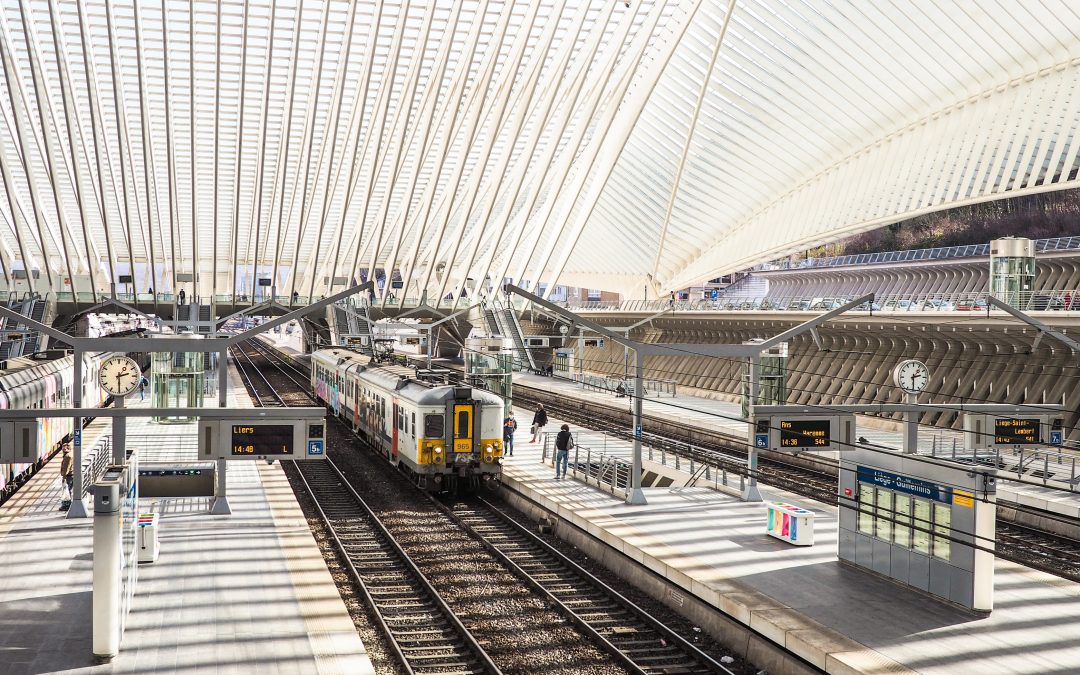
x=262 y=439
x=805 y=433
x=1017 y=431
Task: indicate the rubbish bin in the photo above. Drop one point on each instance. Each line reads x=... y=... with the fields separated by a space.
x=791 y=524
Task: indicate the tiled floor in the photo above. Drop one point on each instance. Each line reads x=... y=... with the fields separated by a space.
x=243 y=593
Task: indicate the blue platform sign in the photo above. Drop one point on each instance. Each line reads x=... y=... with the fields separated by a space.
x=898 y=483
x=637 y=432
x=315 y=448
x=761 y=440
x=1056 y=438
x=76 y=436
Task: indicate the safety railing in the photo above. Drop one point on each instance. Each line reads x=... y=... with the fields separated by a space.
x=1049 y=466
x=94 y=463
x=652 y=388
x=914 y=255
x=1049 y=300
x=592 y=465
x=605 y=461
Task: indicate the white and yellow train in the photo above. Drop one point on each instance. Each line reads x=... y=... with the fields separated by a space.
x=448 y=437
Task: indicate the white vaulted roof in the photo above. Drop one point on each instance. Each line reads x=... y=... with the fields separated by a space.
x=589 y=143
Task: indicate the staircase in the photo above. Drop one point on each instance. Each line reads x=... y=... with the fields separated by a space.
x=492 y=322
x=206 y=314
x=524 y=357
x=747 y=287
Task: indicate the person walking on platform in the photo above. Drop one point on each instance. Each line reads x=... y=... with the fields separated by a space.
x=509 y=427
x=564 y=443
x=181 y=296
x=539 y=422
x=67 y=474
x=142 y=387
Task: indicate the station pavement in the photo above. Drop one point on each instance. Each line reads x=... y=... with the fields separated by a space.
x=725 y=417
x=248 y=592
x=713 y=546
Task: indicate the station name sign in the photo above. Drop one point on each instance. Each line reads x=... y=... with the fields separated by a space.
x=906 y=484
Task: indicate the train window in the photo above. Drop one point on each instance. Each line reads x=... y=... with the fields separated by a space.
x=433 y=426
x=414 y=424
x=463 y=424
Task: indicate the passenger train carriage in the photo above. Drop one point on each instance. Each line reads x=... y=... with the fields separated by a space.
x=44 y=381
x=448 y=437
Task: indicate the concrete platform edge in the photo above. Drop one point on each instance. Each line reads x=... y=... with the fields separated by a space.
x=334 y=641
x=764 y=631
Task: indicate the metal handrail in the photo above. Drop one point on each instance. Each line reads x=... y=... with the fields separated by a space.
x=100 y=455
x=913 y=255
x=1046 y=300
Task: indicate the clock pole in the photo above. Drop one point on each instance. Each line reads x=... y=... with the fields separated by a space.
x=119 y=433
x=911 y=426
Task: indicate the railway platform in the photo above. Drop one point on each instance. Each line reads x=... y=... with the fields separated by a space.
x=724 y=417
x=699 y=549
x=247 y=592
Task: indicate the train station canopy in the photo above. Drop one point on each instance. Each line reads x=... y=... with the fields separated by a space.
x=604 y=144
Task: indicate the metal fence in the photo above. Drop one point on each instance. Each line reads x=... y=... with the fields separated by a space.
x=94 y=463
x=914 y=255
x=1050 y=300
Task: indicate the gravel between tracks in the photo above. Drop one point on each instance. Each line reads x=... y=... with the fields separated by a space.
x=517 y=628
x=514 y=625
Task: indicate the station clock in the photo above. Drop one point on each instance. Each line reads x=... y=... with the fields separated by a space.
x=911 y=375
x=119 y=375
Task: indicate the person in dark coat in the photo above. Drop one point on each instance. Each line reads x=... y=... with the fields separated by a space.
x=509 y=427
x=564 y=443
x=539 y=422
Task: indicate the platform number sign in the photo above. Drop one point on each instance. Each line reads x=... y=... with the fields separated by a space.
x=1056 y=438
x=761 y=440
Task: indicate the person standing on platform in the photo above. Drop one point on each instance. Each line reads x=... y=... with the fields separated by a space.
x=564 y=443
x=67 y=473
x=182 y=295
x=539 y=422
x=142 y=387
x=509 y=427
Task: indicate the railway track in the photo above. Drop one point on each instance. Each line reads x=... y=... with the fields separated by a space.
x=424 y=633
x=626 y=631
x=635 y=640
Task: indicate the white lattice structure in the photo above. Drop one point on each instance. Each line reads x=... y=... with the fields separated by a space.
x=604 y=144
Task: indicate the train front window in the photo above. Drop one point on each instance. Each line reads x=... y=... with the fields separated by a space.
x=433 y=426
x=463 y=424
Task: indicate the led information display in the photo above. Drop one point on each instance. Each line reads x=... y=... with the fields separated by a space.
x=805 y=433
x=1016 y=431
x=262 y=439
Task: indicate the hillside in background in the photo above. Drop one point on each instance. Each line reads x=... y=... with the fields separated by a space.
x=1042 y=216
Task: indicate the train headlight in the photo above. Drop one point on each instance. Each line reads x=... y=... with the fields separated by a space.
x=437 y=453
x=489 y=454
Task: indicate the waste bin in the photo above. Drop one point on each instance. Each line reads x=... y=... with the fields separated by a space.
x=791 y=524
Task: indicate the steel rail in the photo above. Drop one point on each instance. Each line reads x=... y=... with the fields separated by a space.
x=435 y=649
x=382 y=608
x=626 y=642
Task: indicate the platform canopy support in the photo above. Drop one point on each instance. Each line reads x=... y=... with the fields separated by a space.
x=643 y=349
x=84 y=345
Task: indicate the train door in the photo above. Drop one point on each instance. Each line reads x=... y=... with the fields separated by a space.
x=394 y=439
x=463 y=427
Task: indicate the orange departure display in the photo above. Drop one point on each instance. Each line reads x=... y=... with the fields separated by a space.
x=262 y=439
x=805 y=433
x=1016 y=431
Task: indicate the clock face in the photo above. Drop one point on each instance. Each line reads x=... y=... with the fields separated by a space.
x=119 y=376
x=912 y=376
